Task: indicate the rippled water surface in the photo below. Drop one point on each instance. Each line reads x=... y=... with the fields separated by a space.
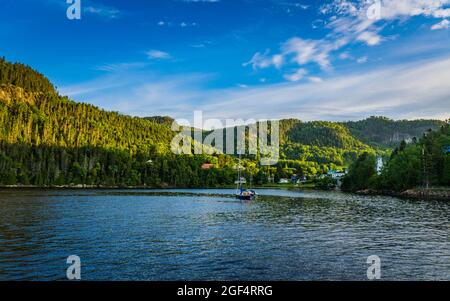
x=208 y=235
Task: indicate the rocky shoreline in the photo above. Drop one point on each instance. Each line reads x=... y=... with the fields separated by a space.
x=416 y=193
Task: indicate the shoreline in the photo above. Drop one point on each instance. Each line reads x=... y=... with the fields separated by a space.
x=437 y=193
x=89 y=187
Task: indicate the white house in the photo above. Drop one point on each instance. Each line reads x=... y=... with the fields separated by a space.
x=380 y=164
x=336 y=175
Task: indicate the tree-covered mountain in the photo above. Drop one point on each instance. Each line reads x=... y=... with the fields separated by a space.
x=387 y=133
x=318 y=133
x=309 y=148
x=37 y=118
x=322 y=145
x=47 y=139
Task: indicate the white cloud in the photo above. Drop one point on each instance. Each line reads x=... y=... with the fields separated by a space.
x=296 y=76
x=340 y=7
x=308 y=51
x=362 y=60
x=142 y=92
x=183 y=24
x=295 y=50
x=369 y=38
x=188 y=24
x=349 y=23
x=444 y=24
x=158 y=55
x=278 y=61
x=417 y=90
x=120 y=66
x=315 y=79
x=353 y=16
x=389 y=9
x=393 y=9
x=104 y=11
x=414 y=90
x=264 y=60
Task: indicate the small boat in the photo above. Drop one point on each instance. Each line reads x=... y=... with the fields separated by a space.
x=245 y=194
x=241 y=192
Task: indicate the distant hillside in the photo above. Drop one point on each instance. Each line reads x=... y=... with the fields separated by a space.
x=341 y=143
x=46 y=139
x=387 y=133
x=318 y=133
x=42 y=118
x=320 y=142
x=316 y=146
x=418 y=165
x=166 y=120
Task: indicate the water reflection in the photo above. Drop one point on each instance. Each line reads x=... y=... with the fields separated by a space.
x=208 y=235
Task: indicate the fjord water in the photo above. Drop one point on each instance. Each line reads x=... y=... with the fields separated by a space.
x=208 y=235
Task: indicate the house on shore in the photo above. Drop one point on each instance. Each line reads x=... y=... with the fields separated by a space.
x=336 y=175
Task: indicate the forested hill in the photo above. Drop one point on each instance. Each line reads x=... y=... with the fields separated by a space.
x=47 y=139
x=320 y=143
x=378 y=132
x=32 y=113
x=45 y=118
x=318 y=133
x=423 y=163
x=387 y=133
x=20 y=75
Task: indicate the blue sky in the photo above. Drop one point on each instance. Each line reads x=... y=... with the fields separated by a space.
x=326 y=60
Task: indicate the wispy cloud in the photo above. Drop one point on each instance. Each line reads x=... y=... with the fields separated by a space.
x=182 y=24
x=296 y=76
x=444 y=24
x=362 y=60
x=350 y=22
x=417 y=90
x=120 y=66
x=101 y=10
x=410 y=90
x=158 y=55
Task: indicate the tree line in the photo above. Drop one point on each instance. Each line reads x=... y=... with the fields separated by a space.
x=47 y=139
x=422 y=163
